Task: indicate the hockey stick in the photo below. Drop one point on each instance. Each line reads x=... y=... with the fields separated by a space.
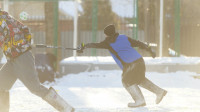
x=56 y=47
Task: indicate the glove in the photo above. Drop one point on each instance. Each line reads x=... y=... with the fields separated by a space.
x=80 y=48
x=152 y=53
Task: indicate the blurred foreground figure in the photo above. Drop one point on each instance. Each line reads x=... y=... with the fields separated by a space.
x=15 y=40
x=131 y=62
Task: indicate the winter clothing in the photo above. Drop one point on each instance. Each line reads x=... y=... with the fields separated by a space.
x=137 y=95
x=15 y=41
x=122 y=51
x=123 y=48
x=15 y=38
x=57 y=102
x=134 y=72
x=22 y=68
x=4 y=101
x=160 y=93
x=131 y=62
x=109 y=30
x=14 y=70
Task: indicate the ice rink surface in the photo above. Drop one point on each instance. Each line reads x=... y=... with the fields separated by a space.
x=102 y=91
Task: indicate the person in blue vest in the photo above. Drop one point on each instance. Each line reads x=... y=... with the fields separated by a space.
x=131 y=62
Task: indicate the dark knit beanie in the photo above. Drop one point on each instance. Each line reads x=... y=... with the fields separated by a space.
x=109 y=30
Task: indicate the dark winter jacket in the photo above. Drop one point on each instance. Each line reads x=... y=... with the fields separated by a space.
x=121 y=48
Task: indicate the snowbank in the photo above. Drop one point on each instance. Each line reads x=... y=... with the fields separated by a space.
x=164 y=64
x=148 y=60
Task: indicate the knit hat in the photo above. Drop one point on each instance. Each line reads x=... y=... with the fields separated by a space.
x=109 y=30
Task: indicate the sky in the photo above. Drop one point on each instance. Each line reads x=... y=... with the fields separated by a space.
x=120 y=7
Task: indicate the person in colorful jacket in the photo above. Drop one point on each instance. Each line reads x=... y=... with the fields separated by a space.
x=15 y=40
x=131 y=62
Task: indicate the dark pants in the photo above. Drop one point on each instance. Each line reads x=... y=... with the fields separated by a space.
x=22 y=68
x=133 y=73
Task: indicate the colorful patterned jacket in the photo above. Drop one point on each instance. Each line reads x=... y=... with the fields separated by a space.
x=15 y=38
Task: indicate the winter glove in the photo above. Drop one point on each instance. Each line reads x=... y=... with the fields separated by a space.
x=152 y=53
x=80 y=48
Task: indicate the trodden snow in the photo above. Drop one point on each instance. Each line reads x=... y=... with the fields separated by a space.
x=102 y=91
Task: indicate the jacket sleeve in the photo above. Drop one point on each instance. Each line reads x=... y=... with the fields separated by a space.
x=101 y=45
x=23 y=29
x=137 y=43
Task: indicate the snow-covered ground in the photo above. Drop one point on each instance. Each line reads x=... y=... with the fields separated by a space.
x=102 y=91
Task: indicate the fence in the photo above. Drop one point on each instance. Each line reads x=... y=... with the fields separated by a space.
x=136 y=18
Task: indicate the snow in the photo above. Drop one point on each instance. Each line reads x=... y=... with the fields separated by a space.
x=85 y=59
x=148 y=60
x=102 y=91
x=3 y=59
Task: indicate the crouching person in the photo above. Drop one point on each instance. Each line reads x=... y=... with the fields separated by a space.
x=15 y=41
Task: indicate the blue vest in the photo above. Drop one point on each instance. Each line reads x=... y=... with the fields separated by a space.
x=124 y=50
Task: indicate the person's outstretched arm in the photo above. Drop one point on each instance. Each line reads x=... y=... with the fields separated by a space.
x=137 y=43
x=101 y=45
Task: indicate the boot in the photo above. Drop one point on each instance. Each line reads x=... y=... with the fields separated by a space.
x=57 y=102
x=160 y=93
x=137 y=96
x=4 y=101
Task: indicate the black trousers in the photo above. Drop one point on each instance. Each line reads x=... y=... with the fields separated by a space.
x=133 y=73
